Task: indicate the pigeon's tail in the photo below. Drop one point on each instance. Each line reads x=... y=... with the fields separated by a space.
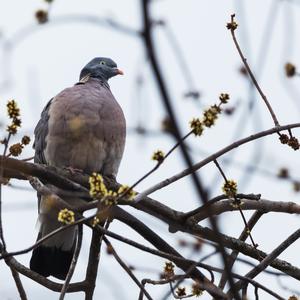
x=51 y=261
x=54 y=256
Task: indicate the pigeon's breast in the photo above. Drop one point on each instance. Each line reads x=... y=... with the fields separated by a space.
x=85 y=131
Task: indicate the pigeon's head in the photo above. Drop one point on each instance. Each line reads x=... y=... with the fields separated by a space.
x=102 y=68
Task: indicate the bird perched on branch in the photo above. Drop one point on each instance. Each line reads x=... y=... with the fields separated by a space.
x=83 y=127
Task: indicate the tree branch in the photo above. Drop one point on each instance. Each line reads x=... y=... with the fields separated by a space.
x=93 y=263
x=19 y=284
x=170 y=216
x=212 y=157
x=261 y=205
x=268 y=259
x=254 y=81
x=126 y=268
x=234 y=254
x=73 y=264
x=246 y=249
x=51 y=285
x=164 y=248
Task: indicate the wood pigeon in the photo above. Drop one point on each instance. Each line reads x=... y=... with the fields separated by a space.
x=83 y=127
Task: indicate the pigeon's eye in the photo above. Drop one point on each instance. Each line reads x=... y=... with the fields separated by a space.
x=102 y=62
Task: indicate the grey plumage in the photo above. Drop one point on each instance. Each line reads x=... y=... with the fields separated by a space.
x=91 y=135
x=40 y=133
x=83 y=127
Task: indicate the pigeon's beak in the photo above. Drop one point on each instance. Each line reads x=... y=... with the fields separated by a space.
x=119 y=71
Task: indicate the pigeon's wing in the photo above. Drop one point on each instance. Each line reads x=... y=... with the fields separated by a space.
x=47 y=260
x=40 y=133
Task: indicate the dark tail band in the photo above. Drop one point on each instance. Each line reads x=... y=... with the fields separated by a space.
x=51 y=261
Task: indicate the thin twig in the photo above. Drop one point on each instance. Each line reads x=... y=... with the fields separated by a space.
x=244 y=60
x=2 y=166
x=125 y=267
x=269 y=258
x=172 y=291
x=244 y=292
x=19 y=284
x=158 y=164
x=245 y=249
x=158 y=282
x=28 y=159
x=211 y=158
x=267 y=271
x=238 y=204
x=233 y=256
x=202 y=208
x=46 y=237
x=73 y=264
x=248 y=280
x=256 y=293
x=186 y=275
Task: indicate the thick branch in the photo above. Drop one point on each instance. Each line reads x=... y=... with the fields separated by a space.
x=14 y=168
x=170 y=216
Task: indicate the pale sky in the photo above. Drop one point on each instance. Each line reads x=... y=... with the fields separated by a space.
x=44 y=59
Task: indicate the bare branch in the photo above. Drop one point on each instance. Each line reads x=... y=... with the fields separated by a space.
x=2 y=167
x=73 y=264
x=244 y=60
x=46 y=237
x=157 y=209
x=261 y=205
x=246 y=249
x=126 y=268
x=269 y=259
x=216 y=199
x=164 y=248
x=51 y=285
x=251 y=223
x=212 y=157
x=93 y=263
x=19 y=284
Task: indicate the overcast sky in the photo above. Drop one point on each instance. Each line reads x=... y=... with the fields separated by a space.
x=38 y=61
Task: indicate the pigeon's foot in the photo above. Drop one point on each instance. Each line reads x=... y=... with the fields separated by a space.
x=73 y=170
